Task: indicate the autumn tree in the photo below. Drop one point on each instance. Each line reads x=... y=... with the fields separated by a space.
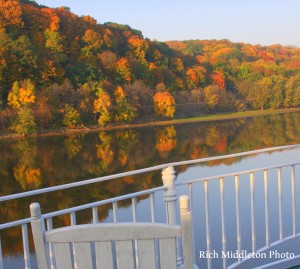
x=123 y=69
x=292 y=95
x=164 y=104
x=215 y=96
x=124 y=111
x=21 y=94
x=195 y=77
x=102 y=107
x=93 y=42
x=71 y=117
x=10 y=14
x=139 y=47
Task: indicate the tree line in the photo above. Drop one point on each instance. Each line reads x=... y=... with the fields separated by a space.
x=59 y=69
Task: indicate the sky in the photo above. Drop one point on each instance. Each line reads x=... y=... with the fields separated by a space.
x=264 y=22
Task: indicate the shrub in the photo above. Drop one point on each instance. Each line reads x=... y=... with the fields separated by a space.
x=71 y=117
x=24 y=122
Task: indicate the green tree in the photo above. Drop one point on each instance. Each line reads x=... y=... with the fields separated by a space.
x=24 y=122
x=292 y=95
x=71 y=117
x=125 y=111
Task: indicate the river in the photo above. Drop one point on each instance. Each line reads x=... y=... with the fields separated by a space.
x=39 y=162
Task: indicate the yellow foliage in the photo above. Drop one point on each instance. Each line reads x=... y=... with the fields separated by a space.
x=102 y=103
x=165 y=140
x=164 y=104
x=21 y=95
x=119 y=93
x=26 y=96
x=28 y=178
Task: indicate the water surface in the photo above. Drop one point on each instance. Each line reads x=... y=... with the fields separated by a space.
x=39 y=162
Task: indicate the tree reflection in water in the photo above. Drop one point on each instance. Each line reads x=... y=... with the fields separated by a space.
x=39 y=162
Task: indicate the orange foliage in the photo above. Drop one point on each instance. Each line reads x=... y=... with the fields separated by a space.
x=122 y=67
x=222 y=51
x=53 y=18
x=119 y=93
x=221 y=145
x=165 y=140
x=164 y=104
x=28 y=178
x=218 y=78
x=89 y=20
x=10 y=13
x=195 y=76
x=152 y=66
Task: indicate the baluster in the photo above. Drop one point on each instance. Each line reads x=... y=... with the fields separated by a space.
x=223 y=221
x=26 y=246
x=280 y=201
x=115 y=207
x=73 y=218
x=1 y=257
x=51 y=249
x=133 y=201
x=237 y=210
x=266 y=207
x=95 y=214
x=208 y=241
x=252 y=211
x=152 y=203
x=293 y=200
x=170 y=198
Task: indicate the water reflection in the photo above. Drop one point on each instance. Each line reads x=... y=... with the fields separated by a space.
x=40 y=162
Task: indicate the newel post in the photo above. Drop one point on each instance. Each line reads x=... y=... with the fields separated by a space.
x=170 y=198
x=187 y=233
x=38 y=230
x=170 y=195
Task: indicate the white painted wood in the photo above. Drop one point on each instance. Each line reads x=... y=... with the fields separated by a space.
x=168 y=254
x=237 y=211
x=104 y=258
x=38 y=230
x=124 y=235
x=51 y=249
x=223 y=220
x=280 y=202
x=187 y=237
x=207 y=226
x=285 y=263
x=266 y=178
x=62 y=256
x=293 y=199
x=124 y=252
x=253 y=234
x=112 y=232
x=146 y=254
x=26 y=246
x=95 y=214
x=1 y=259
x=287 y=244
x=82 y=255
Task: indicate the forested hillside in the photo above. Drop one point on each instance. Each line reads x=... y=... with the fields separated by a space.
x=59 y=69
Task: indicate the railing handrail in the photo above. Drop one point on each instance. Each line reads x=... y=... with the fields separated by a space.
x=244 y=172
x=82 y=207
x=139 y=171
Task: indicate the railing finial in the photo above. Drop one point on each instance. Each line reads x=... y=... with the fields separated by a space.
x=35 y=211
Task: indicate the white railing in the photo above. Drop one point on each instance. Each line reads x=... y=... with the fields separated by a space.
x=229 y=185
x=264 y=201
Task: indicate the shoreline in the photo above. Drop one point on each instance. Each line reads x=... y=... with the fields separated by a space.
x=203 y=118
